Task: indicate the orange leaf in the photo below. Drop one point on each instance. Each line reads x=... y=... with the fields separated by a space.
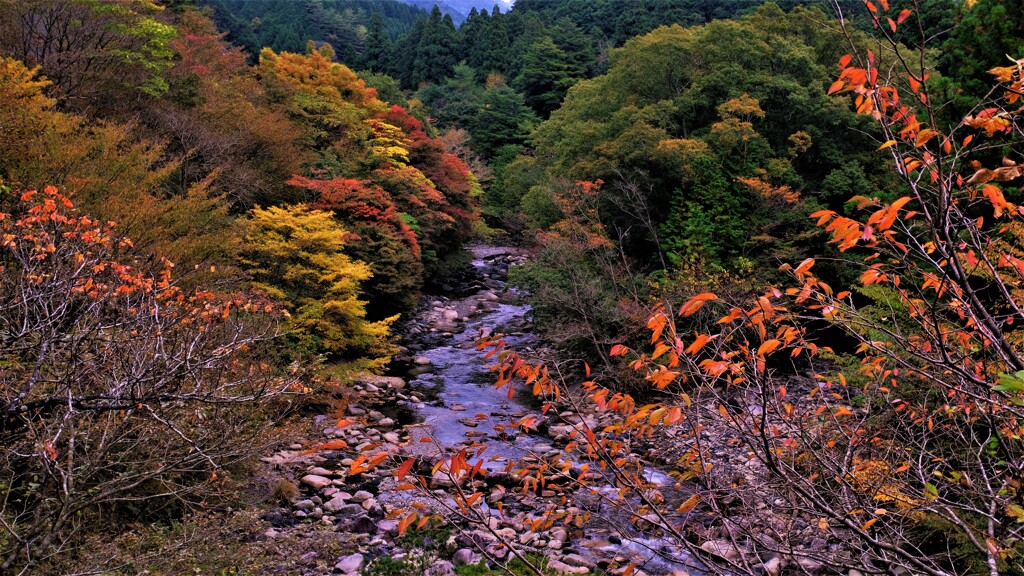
x=404 y=524
x=332 y=445
x=404 y=469
x=924 y=136
x=376 y=460
x=901 y=203
x=659 y=350
x=689 y=504
x=699 y=343
x=695 y=303
x=768 y=347
x=804 y=266
x=618 y=350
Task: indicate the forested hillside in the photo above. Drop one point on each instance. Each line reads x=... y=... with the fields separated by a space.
x=287 y=26
x=755 y=308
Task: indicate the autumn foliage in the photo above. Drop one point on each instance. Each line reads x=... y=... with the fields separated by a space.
x=118 y=386
x=912 y=456
x=397 y=189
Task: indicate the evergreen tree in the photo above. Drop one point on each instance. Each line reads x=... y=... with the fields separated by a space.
x=989 y=31
x=377 y=45
x=435 y=53
x=547 y=74
x=503 y=118
x=454 y=103
x=492 y=50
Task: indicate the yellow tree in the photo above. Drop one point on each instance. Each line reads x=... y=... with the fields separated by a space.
x=297 y=255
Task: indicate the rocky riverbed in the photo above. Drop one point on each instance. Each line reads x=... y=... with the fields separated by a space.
x=437 y=401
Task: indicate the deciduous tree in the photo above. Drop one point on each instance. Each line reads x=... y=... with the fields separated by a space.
x=119 y=389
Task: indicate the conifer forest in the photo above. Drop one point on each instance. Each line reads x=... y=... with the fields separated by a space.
x=512 y=287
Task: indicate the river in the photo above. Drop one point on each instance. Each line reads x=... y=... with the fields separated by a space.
x=458 y=405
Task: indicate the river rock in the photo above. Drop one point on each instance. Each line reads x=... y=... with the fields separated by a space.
x=315 y=481
x=563 y=568
x=440 y=568
x=578 y=561
x=465 y=556
x=388 y=527
x=721 y=548
x=336 y=503
x=422 y=361
x=350 y=564
x=348 y=510
x=361 y=496
x=559 y=535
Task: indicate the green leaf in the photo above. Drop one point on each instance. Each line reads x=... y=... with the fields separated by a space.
x=930 y=491
x=1013 y=384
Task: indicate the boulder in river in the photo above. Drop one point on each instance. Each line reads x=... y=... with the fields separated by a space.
x=350 y=564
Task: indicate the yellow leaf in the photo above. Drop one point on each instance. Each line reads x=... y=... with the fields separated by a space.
x=689 y=504
x=887 y=144
x=924 y=136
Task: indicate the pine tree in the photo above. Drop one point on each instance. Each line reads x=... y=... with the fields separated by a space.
x=435 y=54
x=503 y=119
x=377 y=45
x=547 y=74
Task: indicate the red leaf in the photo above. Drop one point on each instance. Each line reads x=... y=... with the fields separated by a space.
x=404 y=469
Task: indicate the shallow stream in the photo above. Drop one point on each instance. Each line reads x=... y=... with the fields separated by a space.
x=461 y=405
